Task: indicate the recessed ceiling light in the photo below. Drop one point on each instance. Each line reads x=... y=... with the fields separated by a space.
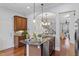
x=28 y=7
x=67 y=15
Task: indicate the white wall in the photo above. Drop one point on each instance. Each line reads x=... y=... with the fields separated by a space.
x=7 y=28
x=61 y=8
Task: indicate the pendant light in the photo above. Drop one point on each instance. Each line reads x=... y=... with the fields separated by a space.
x=34 y=15
x=44 y=21
x=42 y=13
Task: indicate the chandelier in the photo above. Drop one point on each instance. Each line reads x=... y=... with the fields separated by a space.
x=44 y=20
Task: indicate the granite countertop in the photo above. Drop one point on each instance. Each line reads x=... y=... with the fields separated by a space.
x=36 y=43
x=18 y=33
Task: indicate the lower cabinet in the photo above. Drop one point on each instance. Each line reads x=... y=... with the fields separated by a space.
x=48 y=47
x=51 y=46
x=17 y=40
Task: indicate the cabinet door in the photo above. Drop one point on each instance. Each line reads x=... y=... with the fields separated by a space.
x=20 y=38
x=20 y=23
x=51 y=45
x=24 y=23
x=15 y=23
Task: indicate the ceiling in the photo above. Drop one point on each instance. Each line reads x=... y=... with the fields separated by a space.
x=22 y=7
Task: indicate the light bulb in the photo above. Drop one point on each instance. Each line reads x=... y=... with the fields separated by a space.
x=21 y=31
x=34 y=21
x=42 y=23
x=28 y=7
x=48 y=23
x=45 y=23
x=66 y=16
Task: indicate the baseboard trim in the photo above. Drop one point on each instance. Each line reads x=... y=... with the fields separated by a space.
x=6 y=49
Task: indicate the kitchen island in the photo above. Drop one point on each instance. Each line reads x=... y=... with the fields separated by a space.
x=41 y=48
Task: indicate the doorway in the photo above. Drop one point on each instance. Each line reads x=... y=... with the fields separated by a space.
x=67 y=37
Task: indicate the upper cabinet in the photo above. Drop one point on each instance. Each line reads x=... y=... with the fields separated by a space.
x=20 y=23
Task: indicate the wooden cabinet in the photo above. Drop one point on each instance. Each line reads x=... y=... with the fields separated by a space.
x=20 y=23
x=48 y=47
x=17 y=40
x=51 y=45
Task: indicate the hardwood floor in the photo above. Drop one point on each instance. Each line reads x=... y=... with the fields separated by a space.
x=65 y=51
x=20 y=51
x=13 y=52
x=34 y=51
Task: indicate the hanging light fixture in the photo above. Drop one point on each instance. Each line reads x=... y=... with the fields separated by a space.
x=42 y=14
x=44 y=22
x=47 y=23
x=34 y=15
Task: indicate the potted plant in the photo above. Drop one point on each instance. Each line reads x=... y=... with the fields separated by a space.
x=40 y=37
x=34 y=36
x=25 y=34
